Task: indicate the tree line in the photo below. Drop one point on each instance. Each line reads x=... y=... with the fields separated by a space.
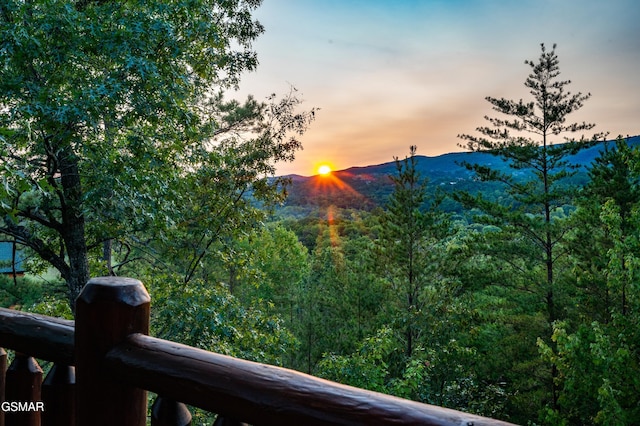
x=122 y=155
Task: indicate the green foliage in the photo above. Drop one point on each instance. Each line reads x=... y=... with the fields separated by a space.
x=366 y=368
x=52 y=306
x=207 y=316
x=119 y=154
x=532 y=206
x=532 y=217
x=408 y=249
x=528 y=300
x=598 y=356
x=598 y=368
x=23 y=292
x=341 y=298
x=114 y=128
x=269 y=266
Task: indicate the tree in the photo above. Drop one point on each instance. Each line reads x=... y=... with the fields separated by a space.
x=226 y=194
x=612 y=180
x=599 y=362
x=207 y=316
x=324 y=316
x=598 y=354
x=527 y=140
x=266 y=269
x=409 y=231
x=342 y=300
x=108 y=109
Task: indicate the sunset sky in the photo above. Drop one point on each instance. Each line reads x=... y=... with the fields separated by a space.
x=390 y=74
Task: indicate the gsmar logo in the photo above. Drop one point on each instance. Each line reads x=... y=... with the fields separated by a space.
x=15 y=406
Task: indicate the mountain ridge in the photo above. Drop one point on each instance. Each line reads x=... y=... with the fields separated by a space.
x=365 y=187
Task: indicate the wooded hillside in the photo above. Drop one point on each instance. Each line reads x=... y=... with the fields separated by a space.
x=502 y=282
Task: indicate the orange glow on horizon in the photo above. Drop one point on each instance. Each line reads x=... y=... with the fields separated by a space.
x=330 y=185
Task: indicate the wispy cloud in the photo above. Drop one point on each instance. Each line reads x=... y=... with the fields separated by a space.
x=390 y=74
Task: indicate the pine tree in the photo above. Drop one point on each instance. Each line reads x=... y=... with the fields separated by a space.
x=528 y=138
x=407 y=240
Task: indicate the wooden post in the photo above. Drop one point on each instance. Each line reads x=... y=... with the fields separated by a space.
x=23 y=390
x=108 y=310
x=3 y=369
x=167 y=412
x=225 y=421
x=59 y=396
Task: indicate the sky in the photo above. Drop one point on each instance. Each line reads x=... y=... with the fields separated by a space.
x=388 y=74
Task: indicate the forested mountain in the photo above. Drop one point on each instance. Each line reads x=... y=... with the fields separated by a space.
x=370 y=186
x=503 y=281
x=524 y=306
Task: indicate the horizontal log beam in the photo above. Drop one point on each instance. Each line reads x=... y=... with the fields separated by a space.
x=37 y=335
x=262 y=394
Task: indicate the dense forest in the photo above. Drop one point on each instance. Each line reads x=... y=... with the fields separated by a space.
x=497 y=311
x=510 y=290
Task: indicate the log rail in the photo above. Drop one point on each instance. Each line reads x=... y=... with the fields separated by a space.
x=105 y=363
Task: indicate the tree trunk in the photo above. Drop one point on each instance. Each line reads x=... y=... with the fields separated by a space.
x=549 y=262
x=107 y=248
x=73 y=225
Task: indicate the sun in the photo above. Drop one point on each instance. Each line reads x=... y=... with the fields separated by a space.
x=324 y=169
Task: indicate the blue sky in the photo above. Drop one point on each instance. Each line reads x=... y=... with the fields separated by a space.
x=390 y=74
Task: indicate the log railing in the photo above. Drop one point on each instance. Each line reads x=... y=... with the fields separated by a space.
x=104 y=364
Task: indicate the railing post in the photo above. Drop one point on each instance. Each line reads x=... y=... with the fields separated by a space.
x=24 y=385
x=168 y=412
x=59 y=396
x=225 y=421
x=108 y=310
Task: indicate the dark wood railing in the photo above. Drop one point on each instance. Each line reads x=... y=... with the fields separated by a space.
x=104 y=364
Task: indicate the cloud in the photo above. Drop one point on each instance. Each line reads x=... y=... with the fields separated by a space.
x=390 y=74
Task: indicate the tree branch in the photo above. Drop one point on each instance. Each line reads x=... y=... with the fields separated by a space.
x=24 y=237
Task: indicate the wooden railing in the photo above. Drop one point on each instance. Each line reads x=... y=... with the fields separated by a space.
x=104 y=364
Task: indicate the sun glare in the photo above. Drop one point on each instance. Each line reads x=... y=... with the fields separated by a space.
x=324 y=169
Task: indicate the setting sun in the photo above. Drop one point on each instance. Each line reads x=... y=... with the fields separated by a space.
x=324 y=169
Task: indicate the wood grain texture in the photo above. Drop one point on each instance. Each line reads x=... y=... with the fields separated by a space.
x=107 y=311
x=116 y=361
x=261 y=394
x=40 y=336
x=24 y=383
x=59 y=396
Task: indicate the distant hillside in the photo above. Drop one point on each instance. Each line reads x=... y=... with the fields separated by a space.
x=368 y=187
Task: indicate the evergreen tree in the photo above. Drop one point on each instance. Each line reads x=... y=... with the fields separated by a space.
x=324 y=311
x=612 y=176
x=408 y=237
x=527 y=139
